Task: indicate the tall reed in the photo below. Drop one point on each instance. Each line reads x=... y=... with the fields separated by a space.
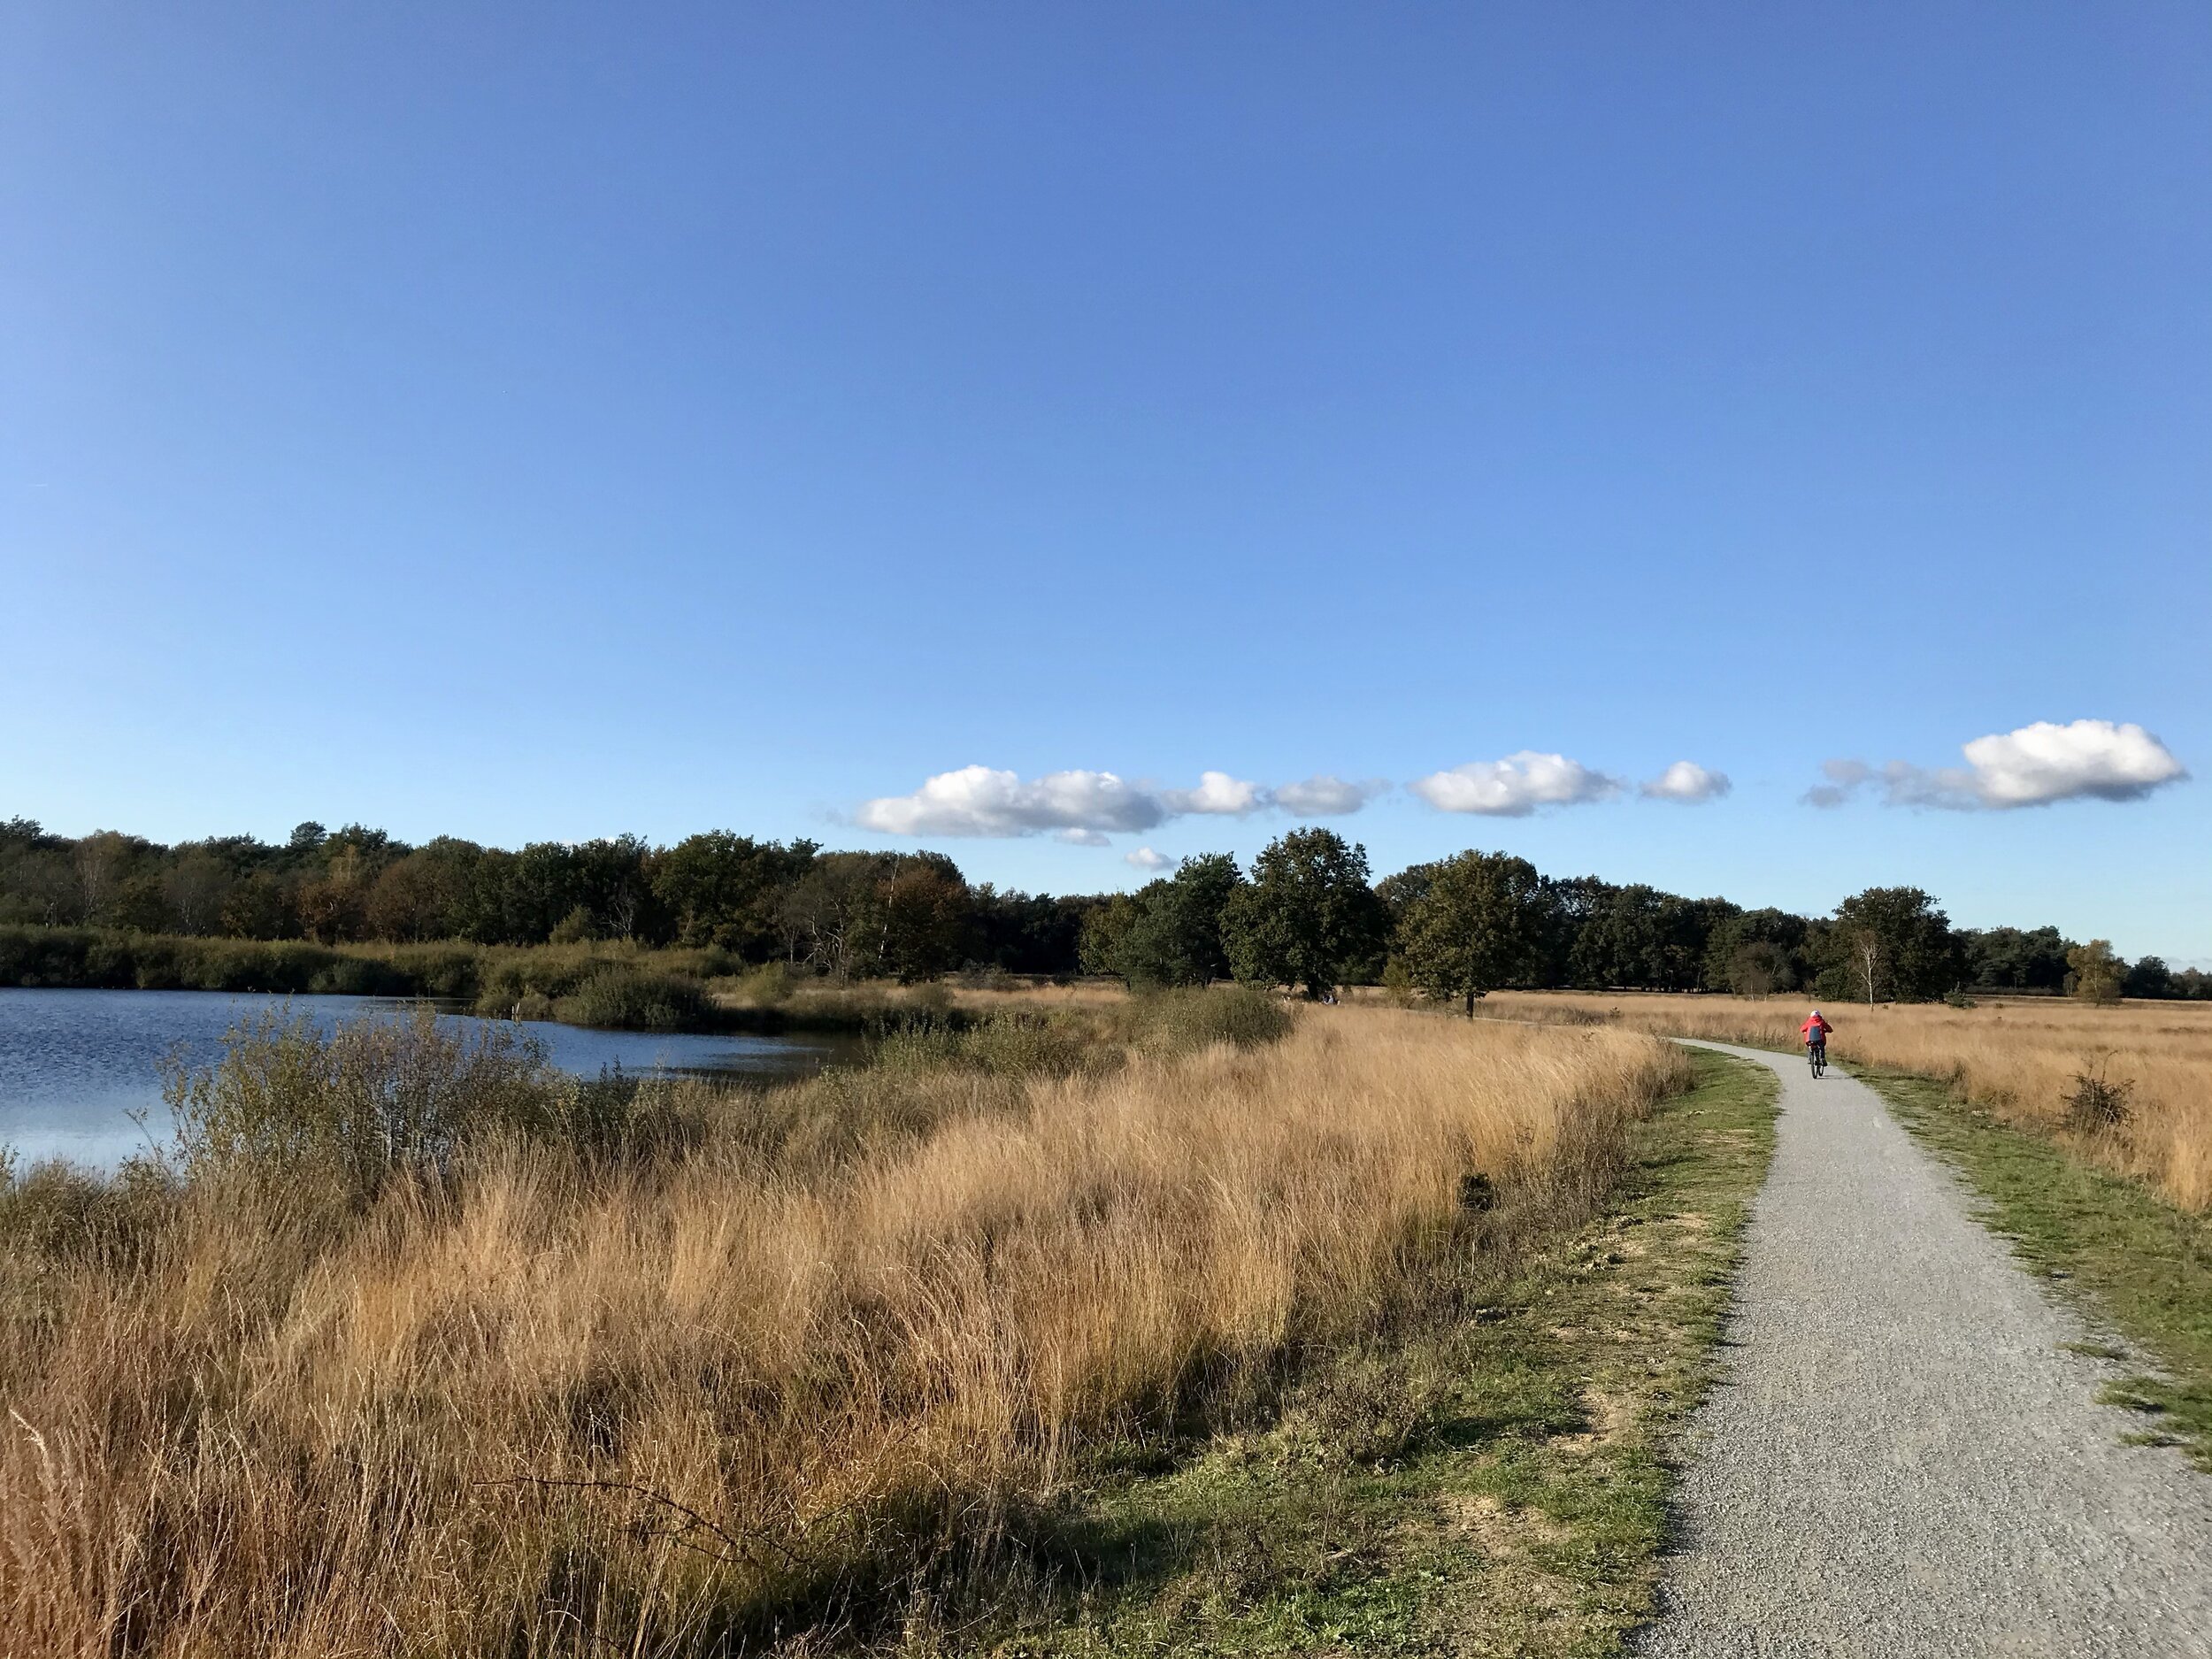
x=785 y=1373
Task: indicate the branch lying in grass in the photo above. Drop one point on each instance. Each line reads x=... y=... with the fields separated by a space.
x=739 y=1548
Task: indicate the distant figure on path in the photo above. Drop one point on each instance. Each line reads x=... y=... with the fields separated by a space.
x=1815 y=1032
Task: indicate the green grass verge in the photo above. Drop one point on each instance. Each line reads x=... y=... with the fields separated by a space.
x=2134 y=1263
x=1496 y=1483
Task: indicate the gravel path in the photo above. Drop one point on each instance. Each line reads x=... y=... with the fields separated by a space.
x=1902 y=1460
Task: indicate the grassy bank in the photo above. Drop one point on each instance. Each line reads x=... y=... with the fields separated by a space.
x=2138 y=1266
x=1488 y=1477
x=402 y=1357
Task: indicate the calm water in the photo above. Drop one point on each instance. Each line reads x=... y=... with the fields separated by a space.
x=75 y=1064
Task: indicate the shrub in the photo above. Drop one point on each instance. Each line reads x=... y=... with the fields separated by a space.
x=1008 y=1044
x=361 y=1101
x=635 y=999
x=2097 y=1103
x=440 y=970
x=1397 y=983
x=768 y=985
x=1243 y=1015
x=55 y=1211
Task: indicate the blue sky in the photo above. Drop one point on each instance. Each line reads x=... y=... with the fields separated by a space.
x=542 y=422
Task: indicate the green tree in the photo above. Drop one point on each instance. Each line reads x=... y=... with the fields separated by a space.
x=1306 y=914
x=856 y=914
x=1031 y=933
x=1640 y=936
x=2011 y=958
x=1105 y=934
x=720 y=888
x=2149 y=977
x=425 y=895
x=1479 y=922
x=611 y=881
x=102 y=862
x=1172 y=933
x=2097 y=973
x=1892 y=943
x=261 y=906
x=922 y=917
x=195 y=885
x=1756 y=952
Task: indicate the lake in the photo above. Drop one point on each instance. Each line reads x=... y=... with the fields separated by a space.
x=75 y=1064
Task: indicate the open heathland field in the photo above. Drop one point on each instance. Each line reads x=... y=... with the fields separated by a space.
x=2023 y=1059
x=413 y=1346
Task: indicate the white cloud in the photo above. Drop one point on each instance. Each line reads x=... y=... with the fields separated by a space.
x=1688 y=782
x=978 y=801
x=1086 y=807
x=2043 y=763
x=1327 y=797
x=1217 y=793
x=1516 y=786
x=2035 y=765
x=1145 y=858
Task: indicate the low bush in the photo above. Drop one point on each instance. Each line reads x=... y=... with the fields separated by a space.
x=767 y=987
x=1178 y=1021
x=362 y=1102
x=2097 y=1102
x=635 y=999
x=55 y=1212
x=1012 y=1044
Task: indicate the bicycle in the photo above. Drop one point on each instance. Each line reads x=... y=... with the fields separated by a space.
x=1816 y=1057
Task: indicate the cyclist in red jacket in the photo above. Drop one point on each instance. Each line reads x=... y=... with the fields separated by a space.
x=1815 y=1032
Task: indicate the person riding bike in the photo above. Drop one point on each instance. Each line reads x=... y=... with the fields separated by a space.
x=1815 y=1032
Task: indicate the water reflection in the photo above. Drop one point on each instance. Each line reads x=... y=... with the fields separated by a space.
x=75 y=1066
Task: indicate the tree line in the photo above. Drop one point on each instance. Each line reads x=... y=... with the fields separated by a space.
x=850 y=915
x=1307 y=913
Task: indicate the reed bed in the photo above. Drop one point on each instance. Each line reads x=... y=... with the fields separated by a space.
x=2023 y=1058
x=809 y=1362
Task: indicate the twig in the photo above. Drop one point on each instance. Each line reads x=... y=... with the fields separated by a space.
x=693 y=1520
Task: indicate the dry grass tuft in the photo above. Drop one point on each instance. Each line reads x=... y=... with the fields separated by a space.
x=787 y=1373
x=2023 y=1058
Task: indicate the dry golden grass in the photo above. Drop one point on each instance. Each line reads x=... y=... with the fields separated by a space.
x=2019 y=1057
x=824 y=1357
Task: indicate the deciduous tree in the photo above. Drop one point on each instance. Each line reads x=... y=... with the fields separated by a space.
x=2097 y=973
x=1306 y=912
x=1896 y=943
x=1478 y=923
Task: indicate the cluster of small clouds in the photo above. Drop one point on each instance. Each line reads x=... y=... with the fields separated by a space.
x=1086 y=807
x=2034 y=765
x=1521 y=783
